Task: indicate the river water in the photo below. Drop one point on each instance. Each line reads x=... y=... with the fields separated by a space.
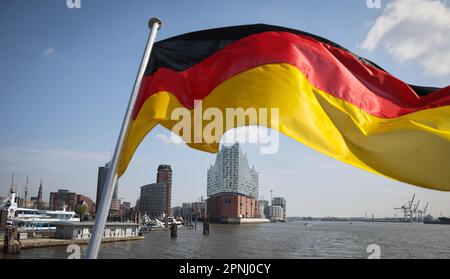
x=279 y=240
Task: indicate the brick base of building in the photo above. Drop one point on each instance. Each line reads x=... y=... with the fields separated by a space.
x=231 y=206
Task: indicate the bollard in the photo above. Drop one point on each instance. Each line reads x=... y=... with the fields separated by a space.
x=174 y=230
x=9 y=247
x=205 y=227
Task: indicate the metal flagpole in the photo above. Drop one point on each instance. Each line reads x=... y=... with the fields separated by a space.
x=108 y=189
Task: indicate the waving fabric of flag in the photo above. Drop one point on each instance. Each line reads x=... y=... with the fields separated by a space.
x=328 y=98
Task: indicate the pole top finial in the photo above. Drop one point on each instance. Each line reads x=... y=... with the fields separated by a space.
x=155 y=20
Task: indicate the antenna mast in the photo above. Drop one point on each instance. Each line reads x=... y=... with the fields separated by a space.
x=271 y=199
x=26 y=192
x=12 y=183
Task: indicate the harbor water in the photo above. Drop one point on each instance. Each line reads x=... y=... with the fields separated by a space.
x=278 y=240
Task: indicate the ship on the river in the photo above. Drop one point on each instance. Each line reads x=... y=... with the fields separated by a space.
x=35 y=219
x=439 y=221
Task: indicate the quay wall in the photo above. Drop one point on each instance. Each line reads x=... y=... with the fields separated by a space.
x=51 y=242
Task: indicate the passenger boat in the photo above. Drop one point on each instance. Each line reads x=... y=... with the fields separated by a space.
x=35 y=219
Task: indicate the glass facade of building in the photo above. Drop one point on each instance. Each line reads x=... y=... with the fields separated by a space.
x=231 y=173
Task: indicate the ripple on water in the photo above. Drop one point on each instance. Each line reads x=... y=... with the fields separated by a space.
x=279 y=240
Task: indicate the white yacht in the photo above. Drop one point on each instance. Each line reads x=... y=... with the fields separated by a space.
x=35 y=219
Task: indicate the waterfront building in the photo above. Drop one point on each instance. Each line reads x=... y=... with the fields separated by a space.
x=264 y=208
x=155 y=198
x=199 y=209
x=176 y=211
x=152 y=200
x=126 y=212
x=34 y=203
x=137 y=204
x=164 y=175
x=228 y=206
x=261 y=208
x=115 y=207
x=280 y=201
x=126 y=205
x=231 y=173
x=186 y=209
x=26 y=203
x=83 y=230
x=276 y=212
x=101 y=179
x=63 y=199
x=232 y=187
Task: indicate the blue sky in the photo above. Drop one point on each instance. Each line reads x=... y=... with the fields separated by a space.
x=66 y=76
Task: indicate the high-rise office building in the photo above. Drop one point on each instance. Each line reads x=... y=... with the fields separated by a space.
x=280 y=201
x=152 y=200
x=102 y=175
x=164 y=175
x=276 y=212
x=126 y=205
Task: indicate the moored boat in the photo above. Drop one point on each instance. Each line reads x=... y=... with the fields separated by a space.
x=35 y=219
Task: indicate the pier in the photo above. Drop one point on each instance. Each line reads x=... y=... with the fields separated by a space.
x=68 y=233
x=52 y=242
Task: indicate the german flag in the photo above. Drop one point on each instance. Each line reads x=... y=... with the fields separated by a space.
x=328 y=98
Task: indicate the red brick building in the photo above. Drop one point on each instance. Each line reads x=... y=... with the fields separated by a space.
x=165 y=175
x=231 y=205
x=63 y=198
x=69 y=199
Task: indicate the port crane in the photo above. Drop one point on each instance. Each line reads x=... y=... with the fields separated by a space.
x=407 y=209
x=422 y=213
x=415 y=214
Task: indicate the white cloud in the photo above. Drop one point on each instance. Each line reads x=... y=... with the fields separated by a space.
x=247 y=134
x=414 y=30
x=49 y=51
x=173 y=138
